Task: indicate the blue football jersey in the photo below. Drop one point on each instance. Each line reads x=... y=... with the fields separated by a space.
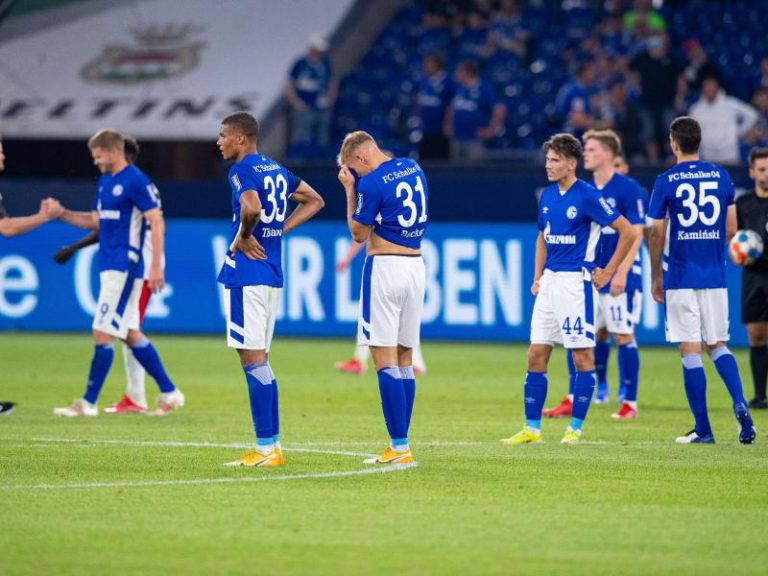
x=121 y=200
x=571 y=224
x=695 y=197
x=433 y=98
x=394 y=199
x=274 y=185
x=472 y=109
x=624 y=195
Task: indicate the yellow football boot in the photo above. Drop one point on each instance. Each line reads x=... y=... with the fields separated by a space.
x=390 y=456
x=525 y=436
x=271 y=459
x=571 y=436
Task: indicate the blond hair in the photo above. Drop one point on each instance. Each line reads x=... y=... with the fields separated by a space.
x=608 y=138
x=353 y=141
x=108 y=139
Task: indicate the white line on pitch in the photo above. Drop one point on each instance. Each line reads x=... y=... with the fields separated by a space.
x=145 y=483
x=173 y=444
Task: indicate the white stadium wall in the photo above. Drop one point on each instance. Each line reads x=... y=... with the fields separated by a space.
x=160 y=69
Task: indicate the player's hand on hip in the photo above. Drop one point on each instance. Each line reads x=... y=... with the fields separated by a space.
x=535 y=288
x=250 y=248
x=657 y=290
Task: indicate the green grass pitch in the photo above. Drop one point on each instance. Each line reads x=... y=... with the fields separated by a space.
x=137 y=495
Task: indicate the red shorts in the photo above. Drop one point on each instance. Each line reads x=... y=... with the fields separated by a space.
x=144 y=300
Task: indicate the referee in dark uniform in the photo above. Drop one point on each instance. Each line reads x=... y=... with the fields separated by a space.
x=752 y=214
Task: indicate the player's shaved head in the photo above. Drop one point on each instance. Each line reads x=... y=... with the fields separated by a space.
x=607 y=138
x=565 y=145
x=107 y=139
x=686 y=133
x=243 y=123
x=351 y=143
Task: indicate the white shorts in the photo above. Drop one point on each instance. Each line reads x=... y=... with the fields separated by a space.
x=696 y=315
x=251 y=313
x=564 y=310
x=391 y=300
x=117 y=310
x=618 y=314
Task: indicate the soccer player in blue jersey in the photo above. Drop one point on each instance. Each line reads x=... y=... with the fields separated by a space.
x=618 y=303
x=126 y=201
x=252 y=273
x=694 y=214
x=387 y=207
x=571 y=215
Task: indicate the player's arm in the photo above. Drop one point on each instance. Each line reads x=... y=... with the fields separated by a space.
x=67 y=251
x=619 y=281
x=731 y=223
x=85 y=220
x=360 y=232
x=156 y=279
x=539 y=261
x=19 y=225
x=354 y=249
x=250 y=211
x=309 y=204
x=656 y=246
x=626 y=232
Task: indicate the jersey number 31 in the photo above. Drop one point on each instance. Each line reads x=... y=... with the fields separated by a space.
x=405 y=188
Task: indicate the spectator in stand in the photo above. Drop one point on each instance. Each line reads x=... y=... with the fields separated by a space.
x=624 y=117
x=724 y=121
x=432 y=101
x=698 y=65
x=474 y=115
x=662 y=92
x=644 y=18
x=613 y=38
x=761 y=81
x=758 y=135
x=473 y=37
x=311 y=91
x=507 y=35
x=572 y=104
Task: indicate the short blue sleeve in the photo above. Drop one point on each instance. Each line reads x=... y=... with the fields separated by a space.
x=367 y=203
x=293 y=182
x=634 y=210
x=658 y=207
x=144 y=194
x=598 y=209
x=730 y=191
x=241 y=178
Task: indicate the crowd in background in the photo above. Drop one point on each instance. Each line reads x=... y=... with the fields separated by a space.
x=496 y=74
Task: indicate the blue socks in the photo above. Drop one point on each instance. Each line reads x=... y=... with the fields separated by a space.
x=409 y=387
x=583 y=387
x=571 y=370
x=629 y=370
x=275 y=408
x=103 y=354
x=695 y=382
x=261 y=394
x=393 y=404
x=147 y=356
x=535 y=393
x=728 y=370
x=602 y=352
